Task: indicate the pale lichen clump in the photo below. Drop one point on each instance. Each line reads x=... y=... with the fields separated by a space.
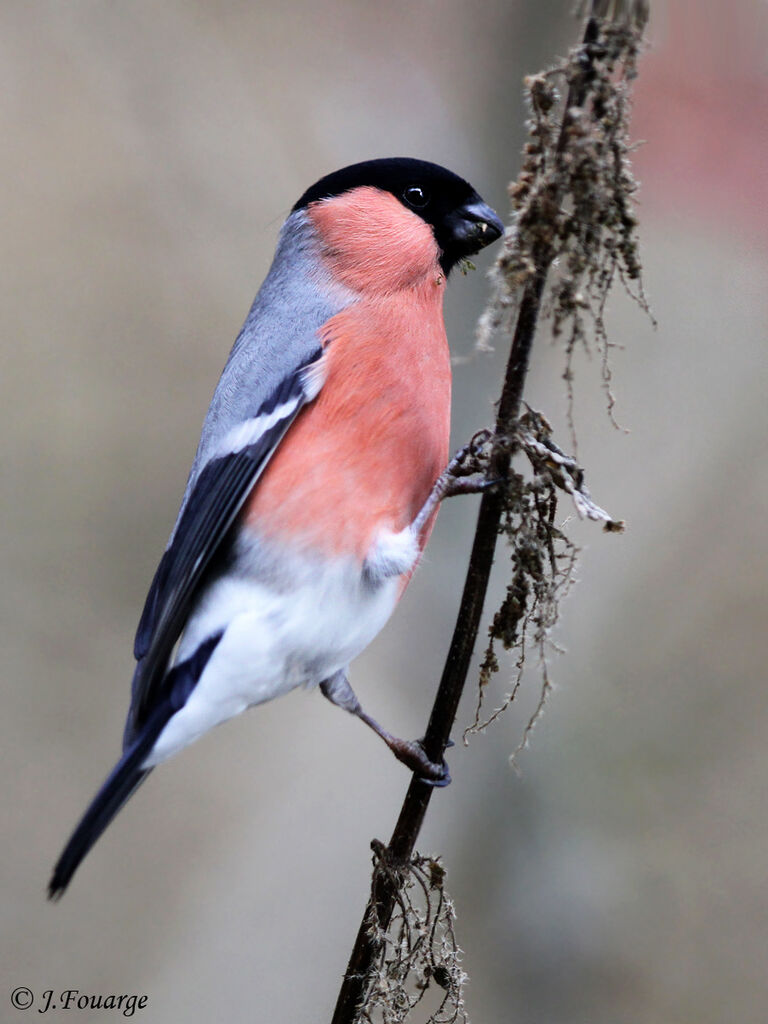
x=573 y=201
x=417 y=951
x=542 y=556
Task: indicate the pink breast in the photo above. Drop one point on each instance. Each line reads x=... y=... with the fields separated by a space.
x=365 y=454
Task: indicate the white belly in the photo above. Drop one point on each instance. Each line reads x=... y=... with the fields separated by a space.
x=286 y=622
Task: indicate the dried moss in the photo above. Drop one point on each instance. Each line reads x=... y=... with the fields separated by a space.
x=417 y=952
x=573 y=220
x=573 y=201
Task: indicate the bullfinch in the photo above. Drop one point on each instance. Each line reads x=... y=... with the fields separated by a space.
x=318 y=475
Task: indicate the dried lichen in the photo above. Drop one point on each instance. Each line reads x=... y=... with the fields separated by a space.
x=573 y=216
x=542 y=557
x=573 y=201
x=417 y=951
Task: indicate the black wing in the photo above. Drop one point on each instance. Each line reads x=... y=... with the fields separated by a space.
x=216 y=499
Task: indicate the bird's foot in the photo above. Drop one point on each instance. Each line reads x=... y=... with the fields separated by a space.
x=475 y=484
x=413 y=756
x=466 y=473
x=411 y=752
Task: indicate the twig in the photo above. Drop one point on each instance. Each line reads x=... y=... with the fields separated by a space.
x=506 y=442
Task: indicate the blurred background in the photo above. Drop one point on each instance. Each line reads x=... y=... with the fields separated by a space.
x=150 y=152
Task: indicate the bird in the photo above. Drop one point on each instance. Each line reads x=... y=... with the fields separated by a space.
x=319 y=472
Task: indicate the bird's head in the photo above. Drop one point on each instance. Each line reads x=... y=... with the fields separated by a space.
x=383 y=224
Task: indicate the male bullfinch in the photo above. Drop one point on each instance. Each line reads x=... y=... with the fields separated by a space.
x=318 y=474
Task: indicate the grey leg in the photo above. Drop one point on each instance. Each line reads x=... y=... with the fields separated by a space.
x=410 y=752
x=458 y=477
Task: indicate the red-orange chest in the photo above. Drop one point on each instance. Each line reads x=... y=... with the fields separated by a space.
x=365 y=454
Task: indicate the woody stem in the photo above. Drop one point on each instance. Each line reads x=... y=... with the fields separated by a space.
x=409 y=822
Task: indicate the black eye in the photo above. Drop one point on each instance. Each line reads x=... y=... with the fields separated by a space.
x=416 y=196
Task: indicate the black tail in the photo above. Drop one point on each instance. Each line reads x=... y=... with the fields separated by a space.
x=126 y=777
x=128 y=774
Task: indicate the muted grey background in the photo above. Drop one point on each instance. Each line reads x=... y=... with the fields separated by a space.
x=150 y=151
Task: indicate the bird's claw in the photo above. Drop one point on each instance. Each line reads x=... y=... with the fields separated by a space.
x=413 y=755
x=475 y=484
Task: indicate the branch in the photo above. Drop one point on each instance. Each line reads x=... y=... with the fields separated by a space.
x=543 y=244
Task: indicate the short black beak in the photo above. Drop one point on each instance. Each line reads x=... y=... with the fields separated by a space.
x=474 y=226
